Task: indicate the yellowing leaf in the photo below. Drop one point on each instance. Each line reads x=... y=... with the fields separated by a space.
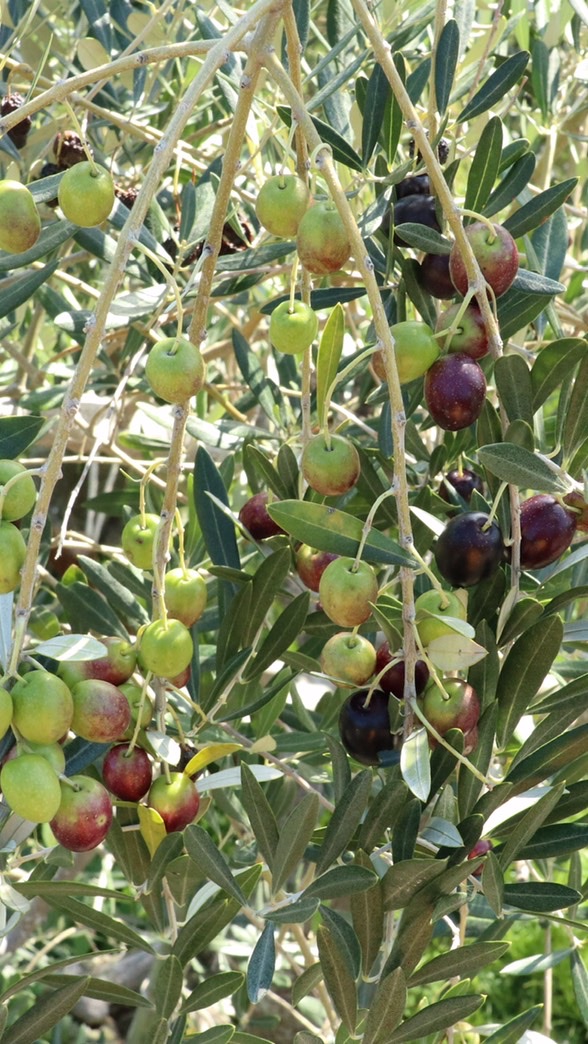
x=91 y=53
x=264 y=743
x=152 y=828
x=209 y=754
x=453 y=652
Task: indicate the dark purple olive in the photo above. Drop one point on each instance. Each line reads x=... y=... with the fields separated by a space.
x=547 y=530
x=365 y=730
x=433 y=276
x=466 y=552
x=455 y=390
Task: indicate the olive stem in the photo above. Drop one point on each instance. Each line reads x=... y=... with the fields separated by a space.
x=293 y=280
x=215 y=57
x=443 y=596
x=486 y=221
x=443 y=742
x=494 y=508
x=431 y=728
x=137 y=728
x=95 y=172
x=171 y=282
x=342 y=376
x=181 y=546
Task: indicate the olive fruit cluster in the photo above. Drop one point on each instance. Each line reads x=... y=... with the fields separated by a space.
x=99 y=701
x=18 y=494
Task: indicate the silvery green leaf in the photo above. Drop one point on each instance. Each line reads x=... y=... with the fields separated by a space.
x=415 y=764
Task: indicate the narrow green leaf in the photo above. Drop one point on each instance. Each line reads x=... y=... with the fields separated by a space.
x=262 y=964
x=17 y=434
x=378 y=95
x=410 y=276
x=340 y=765
x=538 y=209
x=257 y=460
x=229 y=671
x=342 y=151
x=537 y=284
x=468 y=787
x=382 y=814
x=167 y=985
x=513 y=1031
x=580 y=984
x=212 y=990
x=493 y=883
x=23 y=287
x=288 y=470
x=536 y=963
x=485 y=165
x=553 y=364
x=386 y=1008
x=100 y=989
x=208 y=922
x=552 y=726
x=214 y=1035
x=328 y=529
x=514 y=386
x=293 y=913
x=393 y=121
x=265 y=391
x=261 y=816
x=295 y=835
x=367 y=914
x=341 y=881
x=46 y=1012
x=548 y=759
x=265 y=585
x=170 y=848
x=230 y=636
x=437 y=1017
x=446 y=57
x=111 y=927
x=415 y=763
x=203 y=851
x=285 y=630
x=305 y=983
x=88 y=610
x=524 y=614
x=576 y=420
x=465 y=961
x=496 y=86
x=517 y=308
x=344 y=937
x=512 y=184
x=406 y=831
x=540 y=896
x=523 y=672
x=120 y=598
x=345 y=819
x=423 y=238
x=517 y=465
x=551 y=842
x=338 y=979
x=328 y=357
x=413 y=935
x=403 y=880
x=217 y=530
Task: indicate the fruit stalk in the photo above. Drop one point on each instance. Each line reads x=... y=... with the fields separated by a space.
x=325 y=163
x=95 y=327
x=475 y=279
x=231 y=163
